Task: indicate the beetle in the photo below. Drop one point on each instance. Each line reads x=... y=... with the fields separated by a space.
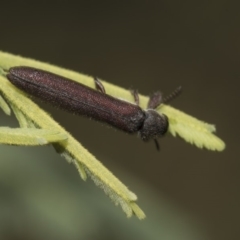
x=79 y=99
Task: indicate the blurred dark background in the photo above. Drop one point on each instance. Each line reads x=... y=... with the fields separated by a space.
x=186 y=193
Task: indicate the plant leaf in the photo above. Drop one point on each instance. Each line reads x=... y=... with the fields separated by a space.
x=30 y=115
x=4 y=106
x=30 y=136
x=192 y=130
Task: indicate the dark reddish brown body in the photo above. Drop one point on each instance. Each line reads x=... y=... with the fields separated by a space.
x=80 y=99
x=77 y=98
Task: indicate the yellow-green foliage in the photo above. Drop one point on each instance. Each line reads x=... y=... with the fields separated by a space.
x=38 y=128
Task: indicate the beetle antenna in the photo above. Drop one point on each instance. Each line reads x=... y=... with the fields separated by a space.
x=173 y=95
x=157 y=144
